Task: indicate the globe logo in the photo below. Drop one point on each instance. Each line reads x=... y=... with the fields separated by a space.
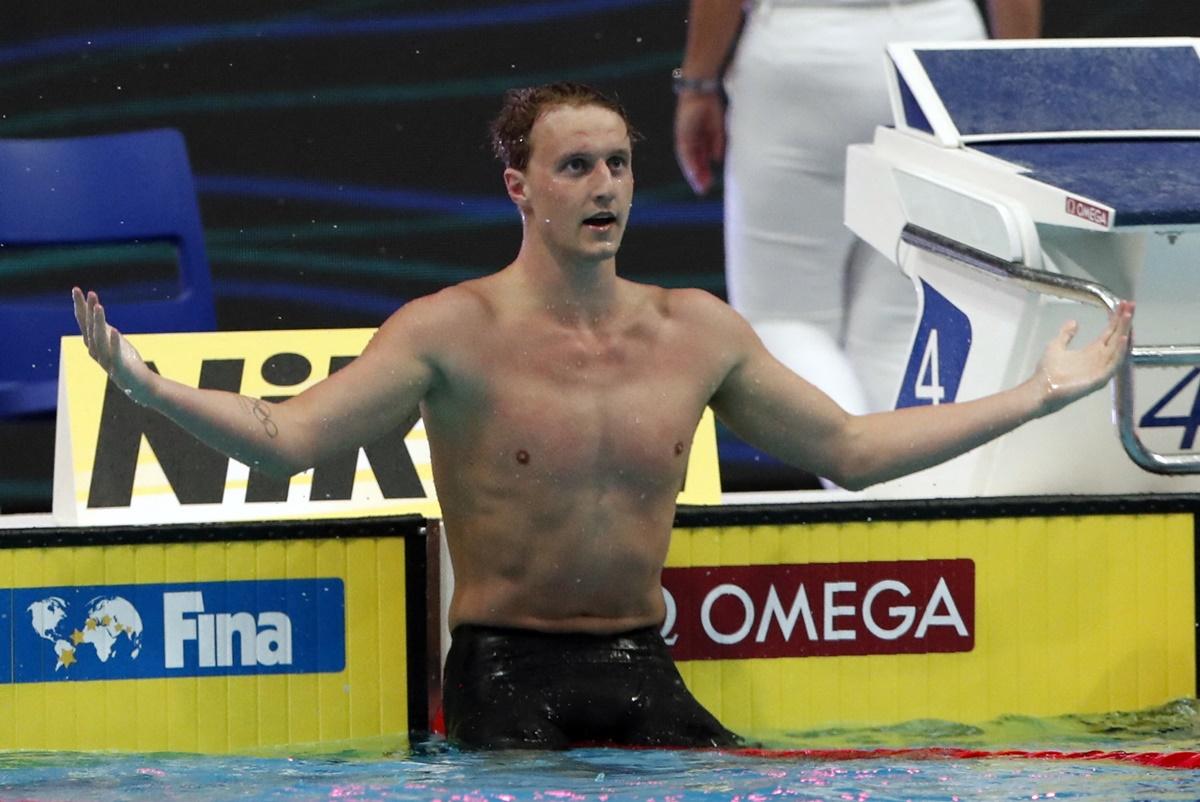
x=109 y=628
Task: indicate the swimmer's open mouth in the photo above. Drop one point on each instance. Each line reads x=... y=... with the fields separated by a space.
x=601 y=220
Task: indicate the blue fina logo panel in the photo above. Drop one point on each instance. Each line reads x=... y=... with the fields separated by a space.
x=113 y=632
x=939 y=353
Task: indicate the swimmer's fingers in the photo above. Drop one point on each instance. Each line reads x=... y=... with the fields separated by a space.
x=84 y=306
x=112 y=352
x=101 y=342
x=80 y=306
x=1120 y=324
x=1111 y=347
x=1067 y=332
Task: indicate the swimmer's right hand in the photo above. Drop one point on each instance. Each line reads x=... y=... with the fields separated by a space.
x=113 y=352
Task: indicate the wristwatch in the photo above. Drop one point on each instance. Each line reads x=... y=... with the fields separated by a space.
x=680 y=83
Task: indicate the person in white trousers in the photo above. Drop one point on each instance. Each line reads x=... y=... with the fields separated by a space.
x=807 y=79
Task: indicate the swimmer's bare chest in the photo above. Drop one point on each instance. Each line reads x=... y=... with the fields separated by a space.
x=558 y=455
x=561 y=498
x=548 y=410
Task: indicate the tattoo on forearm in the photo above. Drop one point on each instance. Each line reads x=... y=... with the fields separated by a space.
x=262 y=411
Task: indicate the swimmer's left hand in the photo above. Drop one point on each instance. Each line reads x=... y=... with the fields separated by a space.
x=1067 y=375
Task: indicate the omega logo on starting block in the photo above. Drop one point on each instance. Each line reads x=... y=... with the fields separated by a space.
x=1087 y=211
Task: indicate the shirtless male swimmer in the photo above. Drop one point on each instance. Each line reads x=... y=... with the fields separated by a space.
x=560 y=402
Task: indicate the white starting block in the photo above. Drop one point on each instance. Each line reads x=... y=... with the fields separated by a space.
x=1026 y=183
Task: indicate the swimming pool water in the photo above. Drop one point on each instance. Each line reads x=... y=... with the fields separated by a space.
x=434 y=772
x=583 y=775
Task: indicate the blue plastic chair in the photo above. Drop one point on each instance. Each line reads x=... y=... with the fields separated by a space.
x=95 y=190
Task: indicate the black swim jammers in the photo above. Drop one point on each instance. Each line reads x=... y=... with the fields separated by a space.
x=519 y=689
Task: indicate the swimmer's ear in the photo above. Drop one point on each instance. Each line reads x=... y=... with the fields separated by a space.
x=514 y=182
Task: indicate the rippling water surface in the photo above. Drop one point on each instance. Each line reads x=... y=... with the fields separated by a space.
x=432 y=771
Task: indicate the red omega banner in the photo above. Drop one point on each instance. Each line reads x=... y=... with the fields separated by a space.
x=820 y=609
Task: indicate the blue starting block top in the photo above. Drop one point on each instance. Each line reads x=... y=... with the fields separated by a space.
x=1115 y=121
x=1072 y=89
x=994 y=91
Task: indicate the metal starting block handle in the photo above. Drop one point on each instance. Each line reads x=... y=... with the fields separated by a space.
x=1088 y=292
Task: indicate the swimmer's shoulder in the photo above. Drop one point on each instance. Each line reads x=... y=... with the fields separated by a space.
x=706 y=327
x=441 y=317
x=699 y=309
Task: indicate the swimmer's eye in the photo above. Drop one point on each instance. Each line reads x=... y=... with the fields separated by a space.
x=617 y=163
x=577 y=165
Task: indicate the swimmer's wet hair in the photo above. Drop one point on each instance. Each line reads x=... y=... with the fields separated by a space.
x=522 y=107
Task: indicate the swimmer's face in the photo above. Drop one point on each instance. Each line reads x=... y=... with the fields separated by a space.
x=576 y=191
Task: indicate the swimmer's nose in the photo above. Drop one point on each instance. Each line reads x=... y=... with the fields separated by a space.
x=605 y=194
x=606 y=185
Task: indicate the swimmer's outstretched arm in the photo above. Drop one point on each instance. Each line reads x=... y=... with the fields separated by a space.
x=359 y=403
x=779 y=412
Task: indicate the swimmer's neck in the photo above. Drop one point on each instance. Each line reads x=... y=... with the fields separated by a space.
x=579 y=292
